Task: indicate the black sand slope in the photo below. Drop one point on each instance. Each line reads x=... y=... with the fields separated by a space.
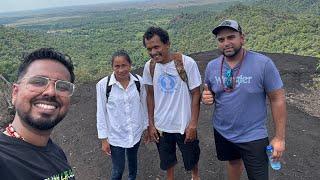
x=78 y=136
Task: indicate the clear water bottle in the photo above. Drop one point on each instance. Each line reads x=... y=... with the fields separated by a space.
x=276 y=165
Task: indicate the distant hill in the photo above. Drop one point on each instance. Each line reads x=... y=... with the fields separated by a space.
x=90 y=34
x=13 y=17
x=293 y=6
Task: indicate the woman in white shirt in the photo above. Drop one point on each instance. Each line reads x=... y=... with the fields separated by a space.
x=121 y=115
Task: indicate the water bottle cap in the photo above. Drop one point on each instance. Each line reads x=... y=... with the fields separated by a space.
x=269 y=147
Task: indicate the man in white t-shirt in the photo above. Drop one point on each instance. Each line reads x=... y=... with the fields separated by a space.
x=173 y=105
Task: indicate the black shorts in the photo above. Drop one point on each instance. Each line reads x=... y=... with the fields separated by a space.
x=252 y=154
x=167 y=151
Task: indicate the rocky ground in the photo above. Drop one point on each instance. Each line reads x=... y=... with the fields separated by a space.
x=78 y=136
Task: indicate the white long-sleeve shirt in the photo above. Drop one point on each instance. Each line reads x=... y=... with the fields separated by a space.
x=124 y=117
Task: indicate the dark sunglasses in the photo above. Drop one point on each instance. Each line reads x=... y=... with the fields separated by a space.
x=229 y=79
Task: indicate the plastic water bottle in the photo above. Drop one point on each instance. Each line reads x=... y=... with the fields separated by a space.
x=276 y=165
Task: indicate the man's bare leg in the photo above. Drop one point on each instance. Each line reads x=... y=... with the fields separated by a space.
x=235 y=168
x=170 y=173
x=195 y=173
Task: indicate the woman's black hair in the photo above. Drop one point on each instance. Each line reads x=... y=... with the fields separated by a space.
x=121 y=53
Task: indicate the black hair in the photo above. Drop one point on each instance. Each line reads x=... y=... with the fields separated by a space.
x=151 y=31
x=121 y=53
x=46 y=53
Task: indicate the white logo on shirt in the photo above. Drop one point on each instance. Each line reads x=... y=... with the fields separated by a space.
x=239 y=80
x=167 y=83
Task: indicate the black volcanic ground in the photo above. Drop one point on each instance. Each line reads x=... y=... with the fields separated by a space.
x=78 y=136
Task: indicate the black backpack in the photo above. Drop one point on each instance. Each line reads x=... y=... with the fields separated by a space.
x=108 y=89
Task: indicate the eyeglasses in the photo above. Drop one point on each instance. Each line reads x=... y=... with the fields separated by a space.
x=229 y=79
x=40 y=84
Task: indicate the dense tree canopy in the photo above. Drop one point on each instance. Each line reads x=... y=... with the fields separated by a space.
x=283 y=26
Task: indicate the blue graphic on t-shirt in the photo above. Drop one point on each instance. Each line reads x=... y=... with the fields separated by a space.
x=167 y=83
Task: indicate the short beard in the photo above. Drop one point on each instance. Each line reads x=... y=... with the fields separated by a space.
x=42 y=124
x=236 y=51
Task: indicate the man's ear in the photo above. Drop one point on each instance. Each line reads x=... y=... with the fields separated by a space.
x=15 y=89
x=243 y=40
x=167 y=45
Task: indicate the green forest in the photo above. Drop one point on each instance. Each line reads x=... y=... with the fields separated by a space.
x=90 y=37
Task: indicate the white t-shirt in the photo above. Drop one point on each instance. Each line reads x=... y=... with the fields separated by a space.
x=171 y=95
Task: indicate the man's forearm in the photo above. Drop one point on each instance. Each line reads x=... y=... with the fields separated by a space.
x=150 y=105
x=195 y=107
x=279 y=113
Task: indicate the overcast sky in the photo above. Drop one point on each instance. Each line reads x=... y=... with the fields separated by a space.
x=18 y=5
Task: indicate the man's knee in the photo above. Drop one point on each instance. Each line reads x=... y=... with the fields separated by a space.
x=235 y=163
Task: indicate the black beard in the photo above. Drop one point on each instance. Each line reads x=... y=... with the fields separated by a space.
x=41 y=123
x=236 y=51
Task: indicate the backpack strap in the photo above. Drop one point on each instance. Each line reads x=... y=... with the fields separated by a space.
x=178 y=62
x=137 y=83
x=177 y=58
x=152 y=66
x=108 y=88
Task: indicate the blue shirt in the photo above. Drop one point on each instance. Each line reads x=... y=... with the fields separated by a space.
x=240 y=115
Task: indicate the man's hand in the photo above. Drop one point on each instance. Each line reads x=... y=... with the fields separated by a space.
x=207 y=96
x=106 y=147
x=145 y=136
x=191 y=134
x=153 y=134
x=278 y=148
